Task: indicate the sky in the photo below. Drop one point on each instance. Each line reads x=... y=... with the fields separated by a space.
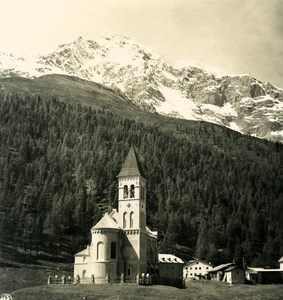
x=235 y=36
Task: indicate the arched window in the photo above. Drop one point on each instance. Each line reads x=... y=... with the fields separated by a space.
x=100 y=251
x=132 y=191
x=113 y=250
x=132 y=219
x=126 y=192
x=124 y=220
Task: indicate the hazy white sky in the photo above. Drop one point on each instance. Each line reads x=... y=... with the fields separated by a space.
x=238 y=36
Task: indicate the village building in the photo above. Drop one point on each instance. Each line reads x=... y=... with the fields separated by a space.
x=265 y=275
x=234 y=275
x=170 y=266
x=217 y=273
x=123 y=248
x=230 y=273
x=196 y=269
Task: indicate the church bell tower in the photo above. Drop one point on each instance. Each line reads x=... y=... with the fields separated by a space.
x=132 y=194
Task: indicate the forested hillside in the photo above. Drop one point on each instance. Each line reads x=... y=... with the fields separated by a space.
x=215 y=195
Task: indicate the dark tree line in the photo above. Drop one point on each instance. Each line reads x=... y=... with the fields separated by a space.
x=214 y=196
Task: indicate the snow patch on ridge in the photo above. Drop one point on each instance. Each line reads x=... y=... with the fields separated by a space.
x=176 y=102
x=234 y=126
x=225 y=110
x=189 y=90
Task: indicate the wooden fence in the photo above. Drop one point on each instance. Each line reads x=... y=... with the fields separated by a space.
x=141 y=279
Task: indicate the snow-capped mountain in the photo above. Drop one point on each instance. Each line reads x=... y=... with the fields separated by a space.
x=241 y=102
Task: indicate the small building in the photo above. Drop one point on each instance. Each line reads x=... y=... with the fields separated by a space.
x=170 y=266
x=217 y=273
x=234 y=275
x=251 y=275
x=264 y=276
x=196 y=269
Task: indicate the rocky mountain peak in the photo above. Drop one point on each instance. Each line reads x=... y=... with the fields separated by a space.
x=239 y=102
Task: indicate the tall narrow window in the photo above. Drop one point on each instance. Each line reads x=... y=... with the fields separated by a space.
x=126 y=192
x=132 y=191
x=100 y=251
x=132 y=219
x=113 y=250
x=124 y=220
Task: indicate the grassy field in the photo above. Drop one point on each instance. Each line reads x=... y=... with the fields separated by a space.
x=27 y=284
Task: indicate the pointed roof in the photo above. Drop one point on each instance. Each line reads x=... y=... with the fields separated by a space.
x=131 y=165
x=281 y=259
x=221 y=267
x=231 y=268
x=169 y=258
x=195 y=261
x=84 y=252
x=106 y=222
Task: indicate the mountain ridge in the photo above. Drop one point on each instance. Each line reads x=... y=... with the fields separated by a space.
x=239 y=102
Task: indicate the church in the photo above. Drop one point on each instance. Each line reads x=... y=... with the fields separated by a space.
x=122 y=246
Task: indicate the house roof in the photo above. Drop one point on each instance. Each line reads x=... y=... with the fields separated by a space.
x=251 y=271
x=257 y=270
x=192 y=262
x=152 y=233
x=220 y=267
x=232 y=268
x=281 y=259
x=84 y=252
x=131 y=165
x=169 y=258
x=114 y=215
x=106 y=222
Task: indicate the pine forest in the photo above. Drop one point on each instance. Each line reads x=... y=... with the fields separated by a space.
x=211 y=195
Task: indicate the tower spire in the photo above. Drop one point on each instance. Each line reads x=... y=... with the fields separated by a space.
x=132 y=193
x=131 y=165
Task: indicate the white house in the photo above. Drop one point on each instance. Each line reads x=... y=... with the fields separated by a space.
x=196 y=269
